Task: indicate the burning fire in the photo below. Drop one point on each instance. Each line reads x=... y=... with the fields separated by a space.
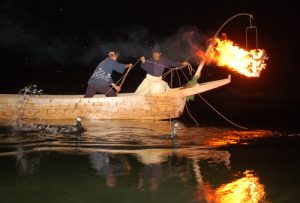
x=225 y=53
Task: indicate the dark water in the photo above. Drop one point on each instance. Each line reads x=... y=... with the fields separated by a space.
x=137 y=161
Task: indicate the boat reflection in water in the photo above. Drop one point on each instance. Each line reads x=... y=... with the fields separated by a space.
x=137 y=159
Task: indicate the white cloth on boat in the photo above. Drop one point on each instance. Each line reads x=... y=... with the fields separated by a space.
x=152 y=85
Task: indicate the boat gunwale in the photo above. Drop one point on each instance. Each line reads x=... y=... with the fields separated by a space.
x=171 y=93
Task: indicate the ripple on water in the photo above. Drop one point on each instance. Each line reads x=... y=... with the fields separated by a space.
x=149 y=140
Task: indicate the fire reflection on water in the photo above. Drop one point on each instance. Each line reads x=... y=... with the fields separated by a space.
x=111 y=149
x=246 y=189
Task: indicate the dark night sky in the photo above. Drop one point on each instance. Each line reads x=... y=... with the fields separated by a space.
x=57 y=44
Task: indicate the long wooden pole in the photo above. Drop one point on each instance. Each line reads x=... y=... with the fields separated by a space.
x=129 y=69
x=198 y=72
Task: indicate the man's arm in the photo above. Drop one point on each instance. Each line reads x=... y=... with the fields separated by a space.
x=119 y=67
x=145 y=65
x=171 y=63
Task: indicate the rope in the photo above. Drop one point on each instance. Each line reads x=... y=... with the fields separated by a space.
x=190 y=68
x=184 y=75
x=175 y=69
x=123 y=77
x=191 y=115
x=163 y=66
x=171 y=71
x=234 y=124
x=242 y=127
x=178 y=78
x=186 y=106
x=171 y=82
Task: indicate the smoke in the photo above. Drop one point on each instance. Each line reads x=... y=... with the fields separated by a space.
x=184 y=44
x=24 y=36
x=134 y=43
x=68 y=49
x=180 y=46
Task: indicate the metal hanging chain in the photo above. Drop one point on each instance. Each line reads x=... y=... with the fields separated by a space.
x=210 y=46
x=251 y=27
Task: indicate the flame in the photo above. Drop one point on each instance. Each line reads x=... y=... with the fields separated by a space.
x=246 y=189
x=225 y=53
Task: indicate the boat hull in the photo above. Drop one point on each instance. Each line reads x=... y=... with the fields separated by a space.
x=71 y=107
x=126 y=106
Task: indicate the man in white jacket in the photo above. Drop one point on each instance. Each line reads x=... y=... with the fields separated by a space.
x=153 y=83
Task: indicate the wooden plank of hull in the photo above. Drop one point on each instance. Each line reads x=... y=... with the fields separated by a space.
x=126 y=106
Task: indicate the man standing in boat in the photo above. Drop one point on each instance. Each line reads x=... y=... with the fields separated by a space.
x=101 y=81
x=153 y=83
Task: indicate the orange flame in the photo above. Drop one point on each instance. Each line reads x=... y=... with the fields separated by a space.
x=225 y=53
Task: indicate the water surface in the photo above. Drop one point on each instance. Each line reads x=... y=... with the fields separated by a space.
x=137 y=161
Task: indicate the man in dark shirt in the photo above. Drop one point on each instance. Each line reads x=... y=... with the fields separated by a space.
x=101 y=81
x=155 y=67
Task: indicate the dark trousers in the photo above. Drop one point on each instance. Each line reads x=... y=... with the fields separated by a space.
x=92 y=89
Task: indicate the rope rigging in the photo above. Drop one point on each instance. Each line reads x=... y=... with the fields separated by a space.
x=188 y=111
x=171 y=72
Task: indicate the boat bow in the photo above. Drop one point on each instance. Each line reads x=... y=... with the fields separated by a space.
x=196 y=88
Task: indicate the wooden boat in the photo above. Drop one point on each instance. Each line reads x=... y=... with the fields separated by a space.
x=126 y=106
